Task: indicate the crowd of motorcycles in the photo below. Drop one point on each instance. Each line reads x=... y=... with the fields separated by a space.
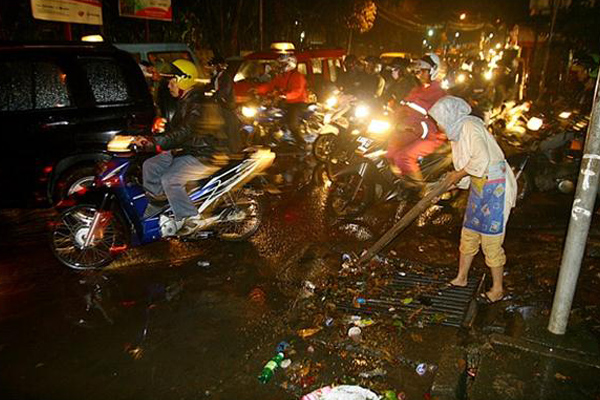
x=347 y=142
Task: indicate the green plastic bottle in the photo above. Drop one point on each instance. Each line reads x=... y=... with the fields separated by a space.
x=269 y=369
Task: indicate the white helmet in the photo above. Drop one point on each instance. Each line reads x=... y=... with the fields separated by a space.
x=290 y=61
x=431 y=62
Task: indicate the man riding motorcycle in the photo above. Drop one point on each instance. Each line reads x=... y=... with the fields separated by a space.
x=416 y=134
x=400 y=81
x=291 y=84
x=187 y=151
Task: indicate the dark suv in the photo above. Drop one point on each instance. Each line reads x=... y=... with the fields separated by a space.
x=60 y=104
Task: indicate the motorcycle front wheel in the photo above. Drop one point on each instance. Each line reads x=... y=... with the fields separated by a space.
x=241 y=219
x=324 y=146
x=350 y=195
x=69 y=233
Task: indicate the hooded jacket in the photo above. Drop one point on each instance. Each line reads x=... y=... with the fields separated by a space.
x=474 y=149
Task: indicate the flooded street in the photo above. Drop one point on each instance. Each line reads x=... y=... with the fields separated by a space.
x=177 y=320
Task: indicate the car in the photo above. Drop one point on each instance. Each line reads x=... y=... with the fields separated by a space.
x=60 y=105
x=321 y=67
x=161 y=55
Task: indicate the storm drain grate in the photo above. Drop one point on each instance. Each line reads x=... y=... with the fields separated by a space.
x=410 y=293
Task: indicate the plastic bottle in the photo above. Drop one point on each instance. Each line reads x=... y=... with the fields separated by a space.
x=269 y=369
x=317 y=394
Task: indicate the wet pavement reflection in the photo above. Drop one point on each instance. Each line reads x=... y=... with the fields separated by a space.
x=177 y=320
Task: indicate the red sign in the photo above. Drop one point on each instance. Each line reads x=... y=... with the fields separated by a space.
x=147 y=9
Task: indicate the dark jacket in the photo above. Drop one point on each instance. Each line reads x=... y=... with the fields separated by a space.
x=187 y=130
x=223 y=86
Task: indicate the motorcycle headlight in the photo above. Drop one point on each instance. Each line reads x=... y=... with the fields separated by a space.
x=564 y=115
x=534 y=124
x=361 y=111
x=378 y=127
x=249 y=112
x=331 y=102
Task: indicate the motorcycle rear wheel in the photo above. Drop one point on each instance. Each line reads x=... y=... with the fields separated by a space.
x=242 y=219
x=69 y=232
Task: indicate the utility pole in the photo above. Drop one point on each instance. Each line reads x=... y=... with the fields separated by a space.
x=260 y=22
x=579 y=225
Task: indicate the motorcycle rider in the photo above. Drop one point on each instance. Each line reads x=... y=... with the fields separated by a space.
x=222 y=84
x=291 y=84
x=479 y=92
x=400 y=81
x=349 y=81
x=372 y=82
x=416 y=134
x=187 y=151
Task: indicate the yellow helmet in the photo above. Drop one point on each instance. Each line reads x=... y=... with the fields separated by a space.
x=186 y=73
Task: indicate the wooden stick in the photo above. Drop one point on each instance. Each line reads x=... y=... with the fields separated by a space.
x=442 y=187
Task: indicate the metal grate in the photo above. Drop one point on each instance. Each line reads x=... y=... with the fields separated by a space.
x=428 y=295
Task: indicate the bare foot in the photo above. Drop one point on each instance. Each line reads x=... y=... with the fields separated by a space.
x=462 y=282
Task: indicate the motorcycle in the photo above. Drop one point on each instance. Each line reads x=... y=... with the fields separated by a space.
x=367 y=177
x=263 y=123
x=114 y=214
x=550 y=159
x=345 y=119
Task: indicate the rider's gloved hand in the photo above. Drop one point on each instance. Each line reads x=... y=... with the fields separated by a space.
x=159 y=125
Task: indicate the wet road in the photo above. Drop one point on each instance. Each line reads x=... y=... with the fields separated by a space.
x=198 y=320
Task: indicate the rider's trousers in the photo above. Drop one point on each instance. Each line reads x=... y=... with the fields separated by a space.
x=166 y=174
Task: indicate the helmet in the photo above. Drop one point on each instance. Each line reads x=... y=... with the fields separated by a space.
x=185 y=72
x=290 y=62
x=431 y=62
x=350 y=61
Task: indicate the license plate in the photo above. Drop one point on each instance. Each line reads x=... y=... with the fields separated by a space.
x=365 y=143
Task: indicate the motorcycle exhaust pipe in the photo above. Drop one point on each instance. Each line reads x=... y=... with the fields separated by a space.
x=566 y=186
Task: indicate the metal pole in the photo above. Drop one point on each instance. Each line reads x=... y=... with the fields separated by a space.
x=260 y=22
x=579 y=226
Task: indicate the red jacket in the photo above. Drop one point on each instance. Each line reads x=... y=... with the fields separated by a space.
x=291 y=83
x=413 y=122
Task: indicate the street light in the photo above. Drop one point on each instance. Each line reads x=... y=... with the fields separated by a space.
x=463 y=16
x=424 y=42
x=457 y=34
x=430 y=32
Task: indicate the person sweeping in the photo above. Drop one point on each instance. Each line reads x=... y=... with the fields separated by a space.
x=481 y=167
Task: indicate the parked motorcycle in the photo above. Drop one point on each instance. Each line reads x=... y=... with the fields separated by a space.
x=112 y=215
x=550 y=159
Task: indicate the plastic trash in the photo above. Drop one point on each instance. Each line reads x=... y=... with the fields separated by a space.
x=282 y=347
x=317 y=394
x=304 y=333
x=286 y=363
x=350 y=392
x=329 y=322
x=355 y=333
x=373 y=373
x=269 y=369
x=203 y=263
x=421 y=369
